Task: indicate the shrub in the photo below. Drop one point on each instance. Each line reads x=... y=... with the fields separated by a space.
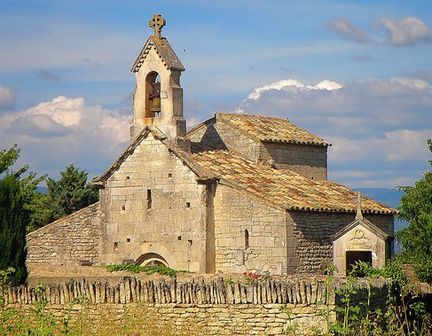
x=148 y=269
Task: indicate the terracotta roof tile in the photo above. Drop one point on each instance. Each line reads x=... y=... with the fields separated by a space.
x=270 y=129
x=284 y=188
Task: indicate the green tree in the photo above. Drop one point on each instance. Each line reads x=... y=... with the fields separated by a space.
x=13 y=217
x=20 y=207
x=70 y=193
x=416 y=238
x=35 y=203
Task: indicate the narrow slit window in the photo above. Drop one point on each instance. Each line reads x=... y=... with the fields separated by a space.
x=246 y=237
x=149 y=199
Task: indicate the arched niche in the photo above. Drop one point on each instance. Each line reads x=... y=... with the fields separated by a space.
x=153 y=96
x=152 y=259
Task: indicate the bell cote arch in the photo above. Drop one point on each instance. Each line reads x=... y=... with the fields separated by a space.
x=153 y=95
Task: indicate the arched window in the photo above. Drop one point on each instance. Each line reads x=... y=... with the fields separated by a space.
x=246 y=238
x=153 y=105
x=152 y=259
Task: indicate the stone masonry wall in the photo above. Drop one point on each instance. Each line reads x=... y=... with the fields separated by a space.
x=222 y=136
x=309 y=243
x=155 y=207
x=307 y=160
x=68 y=241
x=194 y=320
x=262 y=247
x=215 y=306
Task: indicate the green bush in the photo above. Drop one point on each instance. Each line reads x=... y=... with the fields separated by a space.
x=148 y=269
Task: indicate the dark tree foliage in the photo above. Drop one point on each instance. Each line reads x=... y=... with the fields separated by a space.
x=416 y=238
x=70 y=193
x=17 y=199
x=35 y=203
x=13 y=218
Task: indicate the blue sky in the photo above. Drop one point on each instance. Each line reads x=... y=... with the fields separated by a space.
x=65 y=81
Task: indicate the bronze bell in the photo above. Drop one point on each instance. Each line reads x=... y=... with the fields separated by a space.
x=155 y=98
x=155 y=105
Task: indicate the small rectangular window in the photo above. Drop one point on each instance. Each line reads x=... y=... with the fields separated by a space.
x=187 y=204
x=149 y=199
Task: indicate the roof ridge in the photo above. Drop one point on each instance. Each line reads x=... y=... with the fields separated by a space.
x=270 y=129
x=251 y=115
x=283 y=188
x=61 y=219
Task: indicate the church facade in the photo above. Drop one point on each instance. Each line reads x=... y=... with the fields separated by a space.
x=235 y=193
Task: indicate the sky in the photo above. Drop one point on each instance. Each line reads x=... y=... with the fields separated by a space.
x=356 y=73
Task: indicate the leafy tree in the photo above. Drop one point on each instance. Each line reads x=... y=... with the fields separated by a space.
x=70 y=193
x=20 y=207
x=13 y=217
x=35 y=203
x=416 y=239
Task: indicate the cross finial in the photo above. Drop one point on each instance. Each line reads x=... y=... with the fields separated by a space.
x=359 y=214
x=157 y=22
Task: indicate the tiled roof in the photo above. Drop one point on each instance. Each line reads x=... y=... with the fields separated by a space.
x=283 y=188
x=280 y=187
x=163 y=49
x=270 y=129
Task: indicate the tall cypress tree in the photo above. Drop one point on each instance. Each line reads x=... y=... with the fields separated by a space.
x=13 y=218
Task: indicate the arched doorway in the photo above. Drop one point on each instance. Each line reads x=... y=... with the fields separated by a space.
x=151 y=259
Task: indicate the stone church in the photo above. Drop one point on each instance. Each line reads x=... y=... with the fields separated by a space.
x=235 y=193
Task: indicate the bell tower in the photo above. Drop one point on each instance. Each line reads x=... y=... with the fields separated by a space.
x=158 y=96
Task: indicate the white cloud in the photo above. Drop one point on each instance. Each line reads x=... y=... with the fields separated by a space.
x=64 y=111
x=292 y=84
x=406 y=31
x=403 y=32
x=414 y=83
x=392 y=147
x=7 y=97
x=347 y=30
x=373 y=124
x=65 y=130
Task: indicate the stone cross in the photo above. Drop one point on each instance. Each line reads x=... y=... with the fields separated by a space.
x=157 y=22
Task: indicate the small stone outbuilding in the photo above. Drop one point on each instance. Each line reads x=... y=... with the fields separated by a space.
x=236 y=193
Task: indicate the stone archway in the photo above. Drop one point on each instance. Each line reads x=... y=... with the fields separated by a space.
x=152 y=259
